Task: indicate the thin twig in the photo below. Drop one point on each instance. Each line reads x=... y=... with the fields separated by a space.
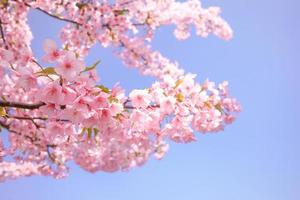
x=41 y=67
x=51 y=156
x=38 y=64
x=52 y=15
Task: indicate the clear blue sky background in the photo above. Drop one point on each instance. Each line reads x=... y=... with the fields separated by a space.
x=256 y=158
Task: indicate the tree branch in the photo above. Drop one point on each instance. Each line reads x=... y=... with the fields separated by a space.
x=21 y=105
x=130 y=107
x=52 y=15
x=57 y=17
x=2 y=35
x=35 y=118
x=50 y=155
x=2 y=124
x=27 y=118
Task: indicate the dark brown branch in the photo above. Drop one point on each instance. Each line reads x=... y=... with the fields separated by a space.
x=6 y=126
x=36 y=118
x=57 y=17
x=50 y=155
x=130 y=107
x=2 y=35
x=52 y=15
x=21 y=105
x=38 y=64
x=127 y=2
x=27 y=118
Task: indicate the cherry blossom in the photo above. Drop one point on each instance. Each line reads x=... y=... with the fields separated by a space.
x=52 y=93
x=52 y=53
x=64 y=113
x=69 y=67
x=140 y=98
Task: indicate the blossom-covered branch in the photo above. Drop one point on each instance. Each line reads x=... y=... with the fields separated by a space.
x=65 y=113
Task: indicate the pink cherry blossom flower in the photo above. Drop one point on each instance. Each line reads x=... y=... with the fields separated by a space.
x=206 y=121
x=27 y=81
x=140 y=120
x=167 y=104
x=52 y=93
x=89 y=77
x=82 y=103
x=69 y=66
x=74 y=115
x=105 y=117
x=140 y=98
x=160 y=149
x=51 y=110
x=92 y=120
x=100 y=101
x=25 y=56
x=55 y=133
x=5 y=57
x=116 y=108
x=52 y=53
x=223 y=87
x=69 y=95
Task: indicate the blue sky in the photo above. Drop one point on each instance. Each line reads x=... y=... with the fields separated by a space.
x=258 y=157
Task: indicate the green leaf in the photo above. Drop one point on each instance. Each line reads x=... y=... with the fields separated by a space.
x=47 y=71
x=103 y=88
x=89 y=133
x=112 y=99
x=83 y=132
x=93 y=66
x=120 y=12
x=96 y=131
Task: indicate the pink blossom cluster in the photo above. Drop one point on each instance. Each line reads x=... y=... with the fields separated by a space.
x=54 y=115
